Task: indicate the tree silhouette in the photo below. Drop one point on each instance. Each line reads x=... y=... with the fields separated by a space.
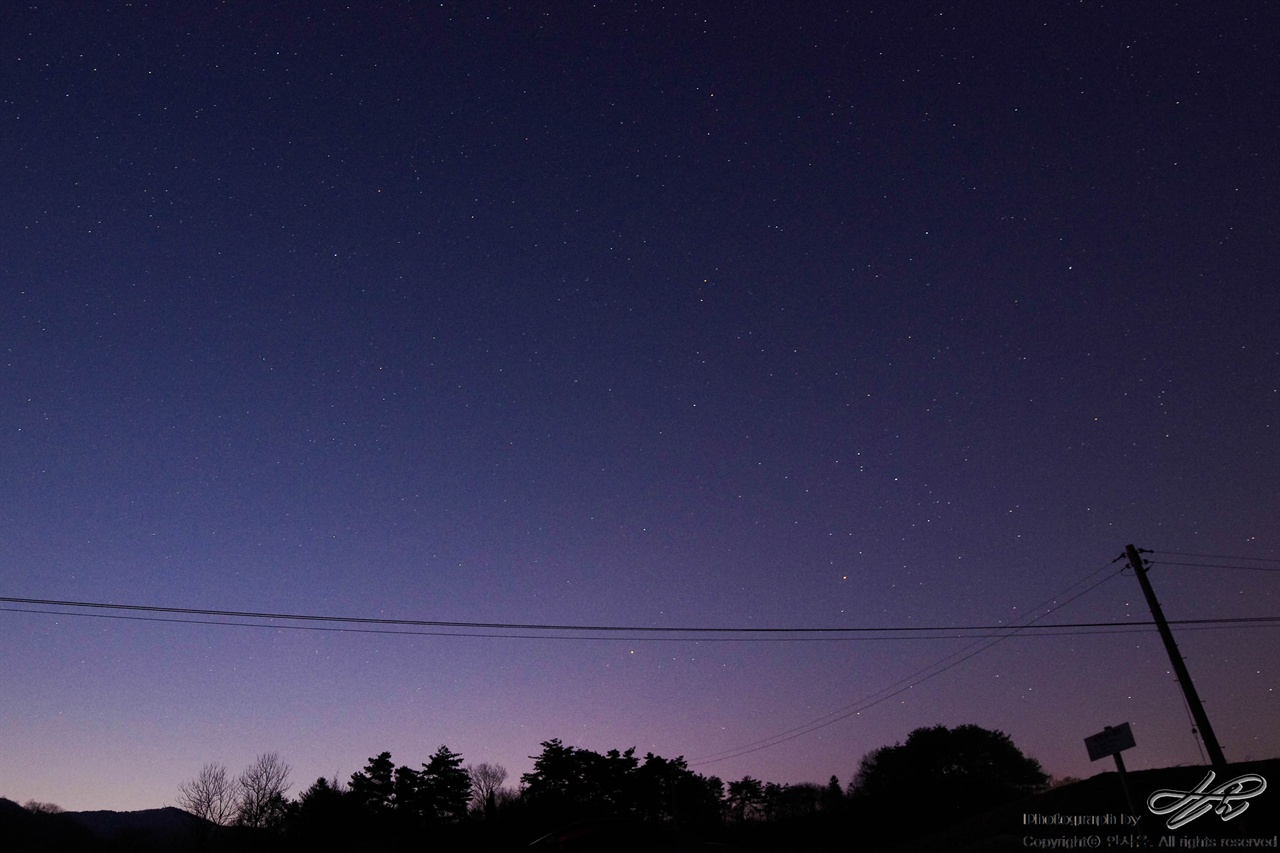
x=940 y=775
x=610 y=778
x=581 y=783
x=486 y=779
x=791 y=802
x=374 y=787
x=326 y=818
x=211 y=799
x=578 y=783
x=261 y=792
x=667 y=790
x=322 y=798
x=746 y=799
x=211 y=796
x=555 y=784
x=832 y=798
x=445 y=788
x=406 y=794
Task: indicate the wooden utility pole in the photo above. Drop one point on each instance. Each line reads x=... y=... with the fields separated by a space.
x=1216 y=757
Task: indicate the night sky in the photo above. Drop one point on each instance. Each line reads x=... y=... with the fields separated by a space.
x=624 y=315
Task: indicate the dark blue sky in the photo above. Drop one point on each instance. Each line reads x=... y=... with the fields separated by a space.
x=722 y=315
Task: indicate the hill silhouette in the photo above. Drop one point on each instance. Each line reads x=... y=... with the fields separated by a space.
x=147 y=829
x=164 y=829
x=24 y=831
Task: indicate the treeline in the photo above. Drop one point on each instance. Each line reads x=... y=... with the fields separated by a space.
x=938 y=776
x=453 y=805
x=381 y=801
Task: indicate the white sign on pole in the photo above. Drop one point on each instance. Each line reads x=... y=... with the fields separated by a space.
x=1109 y=741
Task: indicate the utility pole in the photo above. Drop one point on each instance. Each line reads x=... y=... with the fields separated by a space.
x=1216 y=757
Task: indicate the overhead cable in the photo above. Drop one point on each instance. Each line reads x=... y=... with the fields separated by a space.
x=1065 y=630
x=1236 y=557
x=639 y=629
x=1216 y=566
x=910 y=681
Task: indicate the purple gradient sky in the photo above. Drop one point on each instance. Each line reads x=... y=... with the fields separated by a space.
x=775 y=315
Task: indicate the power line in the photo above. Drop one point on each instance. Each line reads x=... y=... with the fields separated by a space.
x=1216 y=556
x=907 y=683
x=959 y=657
x=1048 y=630
x=981 y=642
x=1216 y=566
x=961 y=630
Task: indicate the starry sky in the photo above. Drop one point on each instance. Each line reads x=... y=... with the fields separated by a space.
x=631 y=315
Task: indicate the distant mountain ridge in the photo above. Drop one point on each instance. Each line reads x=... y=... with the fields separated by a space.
x=22 y=830
x=163 y=826
x=166 y=828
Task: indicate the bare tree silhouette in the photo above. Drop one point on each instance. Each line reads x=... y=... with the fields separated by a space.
x=210 y=798
x=262 y=787
x=486 y=779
